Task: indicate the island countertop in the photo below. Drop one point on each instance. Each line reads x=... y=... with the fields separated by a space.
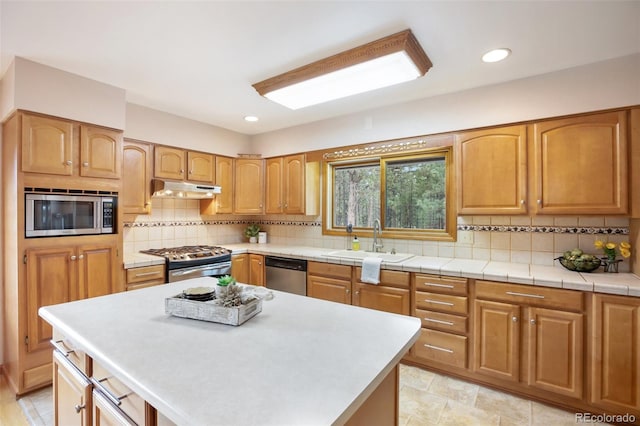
x=300 y=361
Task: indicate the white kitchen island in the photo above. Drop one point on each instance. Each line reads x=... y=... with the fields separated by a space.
x=301 y=361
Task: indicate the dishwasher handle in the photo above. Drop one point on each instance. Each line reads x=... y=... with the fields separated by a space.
x=284 y=263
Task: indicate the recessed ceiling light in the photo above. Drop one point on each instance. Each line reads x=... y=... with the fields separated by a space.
x=251 y=118
x=496 y=55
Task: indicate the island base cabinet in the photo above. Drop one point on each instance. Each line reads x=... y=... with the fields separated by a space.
x=107 y=414
x=382 y=407
x=72 y=393
x=615 y=363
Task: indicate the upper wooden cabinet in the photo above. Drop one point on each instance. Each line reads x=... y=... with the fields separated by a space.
x=492 y=171
x=179 y=164
x=581 y=165
x=249 y=186
x=49 y=146
x=135 y=197
x=292 y=185
x=223 y=202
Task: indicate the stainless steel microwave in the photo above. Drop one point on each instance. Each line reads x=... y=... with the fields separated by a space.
x=49 y=215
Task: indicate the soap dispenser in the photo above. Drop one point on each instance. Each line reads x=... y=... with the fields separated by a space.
x=355 y=244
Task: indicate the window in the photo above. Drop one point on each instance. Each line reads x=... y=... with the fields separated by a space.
x=409 y=194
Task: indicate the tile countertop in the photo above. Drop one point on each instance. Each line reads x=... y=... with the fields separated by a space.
x=626 y=284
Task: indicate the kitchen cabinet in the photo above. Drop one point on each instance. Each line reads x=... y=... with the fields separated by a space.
x=392 y=294
x=531 y=335
x=240 y=267
x=256 y=269
x=329 y=281
x=292 y=185
x=144 y=276
x=179 y=164
x=492 y=171
x=72 y=393
x=442 y=305
x=135 y=197
x=615 y=359
x=249 y=186
x=581 y=165
x=49 y=146
x=62 y=274
x=223 y=202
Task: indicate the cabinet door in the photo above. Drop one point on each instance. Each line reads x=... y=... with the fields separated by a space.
x=581 y=165
x=497 y=340
x=200 y=167
x=294 y=188
x=47 y=145
x=492 y=171
x=615 y=360
x=100 y=152
x=331 y=289
x=555 y=349
x=224 y=178
x=98 y=270
x=106 y=413
x=249 y=186
x=51 y=279
x=240 y=267
x=135 y=197
x=256 y=269
x=382 y=298
x=169 y=163
x=71 y=394
x=273 y=186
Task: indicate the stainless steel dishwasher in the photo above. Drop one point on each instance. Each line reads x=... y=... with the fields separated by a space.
x=288 y=275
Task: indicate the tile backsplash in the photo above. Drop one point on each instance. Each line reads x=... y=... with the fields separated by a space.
x=517 y=239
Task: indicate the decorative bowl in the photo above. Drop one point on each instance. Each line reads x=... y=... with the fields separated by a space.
x=580 y=265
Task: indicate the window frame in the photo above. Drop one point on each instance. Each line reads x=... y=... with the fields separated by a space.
x=446 y=234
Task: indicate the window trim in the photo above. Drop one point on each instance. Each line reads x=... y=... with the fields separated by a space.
x=447 y=234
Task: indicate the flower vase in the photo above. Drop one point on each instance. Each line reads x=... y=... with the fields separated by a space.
x=221 y=291
x=253 y=239
x=611 y=263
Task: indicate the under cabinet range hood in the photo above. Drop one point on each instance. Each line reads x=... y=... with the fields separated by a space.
x=171 y=189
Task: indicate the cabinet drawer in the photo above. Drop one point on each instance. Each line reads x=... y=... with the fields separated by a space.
x=441 y=321
x=531 y=295
x=68 y=349
x=146 y=273
x=131 y=404
x=388 y=278
x=329 y=270
x=441 y=302
x=436 y=284
x=442 y=347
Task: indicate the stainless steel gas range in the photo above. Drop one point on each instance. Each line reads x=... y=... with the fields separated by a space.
x=194 y=261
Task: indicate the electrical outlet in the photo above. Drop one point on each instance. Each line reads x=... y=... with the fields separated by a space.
x=465 y=237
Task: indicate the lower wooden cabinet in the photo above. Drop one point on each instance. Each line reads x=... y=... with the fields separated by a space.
x=392 y=294
x=240 y=267
x=329 y=281
x=72 y=393
x=615 y=360
x=144 y=276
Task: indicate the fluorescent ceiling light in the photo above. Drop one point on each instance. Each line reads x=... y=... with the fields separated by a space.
x=250 y=118
x=496 y=55
x=382 y=63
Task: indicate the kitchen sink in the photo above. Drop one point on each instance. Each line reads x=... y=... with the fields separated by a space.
x=359 y=255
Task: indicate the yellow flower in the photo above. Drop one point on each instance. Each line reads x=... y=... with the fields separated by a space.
x=624 y=251
x=610 y=246
x=599 y=244
x=625 y=245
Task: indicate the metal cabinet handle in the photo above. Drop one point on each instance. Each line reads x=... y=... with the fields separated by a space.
x=438 y=285
x=514 y=319
x=437 y=302
x=522 y=202
x=73 y=257
x=347 y=290
x=57 y=345
x=68 y=162
x=81 y=256
x=539 y=201
x=79 y=408
x=532 y=321
x=117 y=400
x=85 y=164
x=438 y=321
x=515 y=293
x=438 y=348
x=144 y=274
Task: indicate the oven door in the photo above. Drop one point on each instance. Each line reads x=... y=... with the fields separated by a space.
x=210 y=270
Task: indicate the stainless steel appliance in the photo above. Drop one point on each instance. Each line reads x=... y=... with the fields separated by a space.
x=288 y=275
x=61 y=212
x=187 y=262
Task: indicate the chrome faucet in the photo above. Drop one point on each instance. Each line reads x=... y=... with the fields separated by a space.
x=376 y=235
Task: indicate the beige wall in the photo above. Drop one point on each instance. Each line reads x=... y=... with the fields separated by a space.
x=160 y=127
x=609 y=84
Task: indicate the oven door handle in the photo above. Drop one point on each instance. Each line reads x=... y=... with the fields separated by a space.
x=178 y=273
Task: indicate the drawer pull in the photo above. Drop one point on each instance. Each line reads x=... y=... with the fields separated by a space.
x=439 y=321
x=438 y=348
x=515 y=293
x=437 y=302
x=439 y=285
x=117 y=400
x=144 y=274
x=79 y=408
x=58 y=346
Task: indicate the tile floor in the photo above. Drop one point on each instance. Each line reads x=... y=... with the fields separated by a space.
x=426 y=399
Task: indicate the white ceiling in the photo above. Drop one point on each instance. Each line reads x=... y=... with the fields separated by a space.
x=199 y=59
